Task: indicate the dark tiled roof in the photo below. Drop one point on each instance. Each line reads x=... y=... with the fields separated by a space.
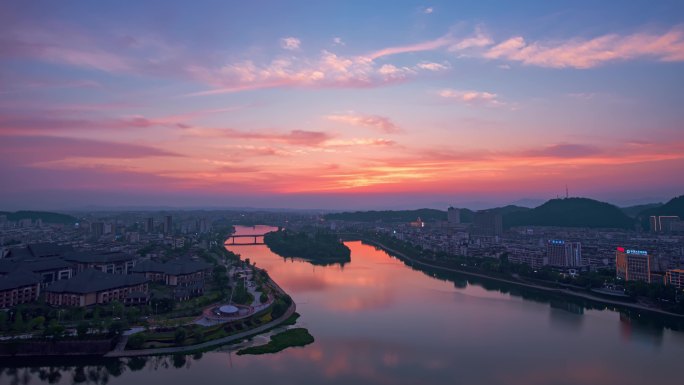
x=98 y=257
x=19 y=253
x=177 y=267
x=35 y=265
x=91 y=281
x=7 y=266
x=46 y=249
x=45 y=264
x=18 y=279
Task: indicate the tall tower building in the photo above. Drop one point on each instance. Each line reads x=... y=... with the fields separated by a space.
x=487 y=222
x=453 y=216
x=168 y=225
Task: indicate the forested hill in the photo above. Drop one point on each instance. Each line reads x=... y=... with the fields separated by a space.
x=674 y=207
x=45 y=216
x=635 y=211
x=571 y=212
x=389 y=216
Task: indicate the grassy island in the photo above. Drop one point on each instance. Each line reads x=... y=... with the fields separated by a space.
x=281 y=341
x=317 y=248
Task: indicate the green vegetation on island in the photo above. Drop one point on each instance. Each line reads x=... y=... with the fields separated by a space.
x=281 y=341
x=317 y=248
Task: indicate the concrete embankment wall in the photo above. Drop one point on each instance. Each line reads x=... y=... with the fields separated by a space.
x=55 y=348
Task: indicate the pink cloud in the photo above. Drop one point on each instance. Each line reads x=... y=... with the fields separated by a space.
x=293 y=137
x=380 y=123
x=565 y=150
x=379 y=142
x=33 y=149
x=290 y=43
x=429 y=45
x=430 y=66
x=329 y=70
x=477 y=40
x=471 y=97
x=588 y=53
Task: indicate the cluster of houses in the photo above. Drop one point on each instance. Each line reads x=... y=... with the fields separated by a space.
x=70 y=278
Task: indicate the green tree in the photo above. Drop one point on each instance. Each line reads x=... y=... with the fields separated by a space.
x=37 y=323
x=3 y=320
x=133 y=314
x=136 y=341
x=54 y=330
x=82 y=329
x=116 y=328
x=180 y=335
x=117 y=309
x=18 y=325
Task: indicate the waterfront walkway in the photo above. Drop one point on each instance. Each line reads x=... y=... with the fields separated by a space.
x=530 y=285
x=221 y=341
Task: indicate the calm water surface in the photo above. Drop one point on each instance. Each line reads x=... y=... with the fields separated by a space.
x=378 y=321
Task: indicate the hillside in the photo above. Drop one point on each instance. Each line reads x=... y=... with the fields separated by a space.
x=45 y=216
x=674 y=207
x=571 y=212
x=635 y=211
x=390 y=216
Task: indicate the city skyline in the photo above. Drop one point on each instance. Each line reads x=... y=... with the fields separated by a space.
x=339 y=105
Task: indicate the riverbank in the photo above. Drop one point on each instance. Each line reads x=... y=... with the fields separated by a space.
x=547 y=289
x=209 y=344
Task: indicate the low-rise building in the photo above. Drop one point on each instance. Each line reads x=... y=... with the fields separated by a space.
x=49 y=270
x=108 y=262
x=675 y=277
x=19 y=287
x=174 y=273
x=91 y=287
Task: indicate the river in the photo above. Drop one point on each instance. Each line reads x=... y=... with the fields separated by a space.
x=378 y=321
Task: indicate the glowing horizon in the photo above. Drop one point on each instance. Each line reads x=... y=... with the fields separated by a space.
x=349 y=105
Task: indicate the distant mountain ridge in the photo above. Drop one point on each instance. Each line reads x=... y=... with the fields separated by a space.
x=571 y=212
x=390 y=216
x=673 y=207
x=562 y=212
x=635 y=211
x=45 y=216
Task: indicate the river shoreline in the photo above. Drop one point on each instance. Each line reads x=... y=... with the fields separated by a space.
x=547 y=289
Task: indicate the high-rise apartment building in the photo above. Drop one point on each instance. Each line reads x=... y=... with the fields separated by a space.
x=564 y=254
x=453 y=216
x=487 y=222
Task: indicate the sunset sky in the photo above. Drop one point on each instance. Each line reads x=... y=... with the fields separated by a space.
x=346 y=104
